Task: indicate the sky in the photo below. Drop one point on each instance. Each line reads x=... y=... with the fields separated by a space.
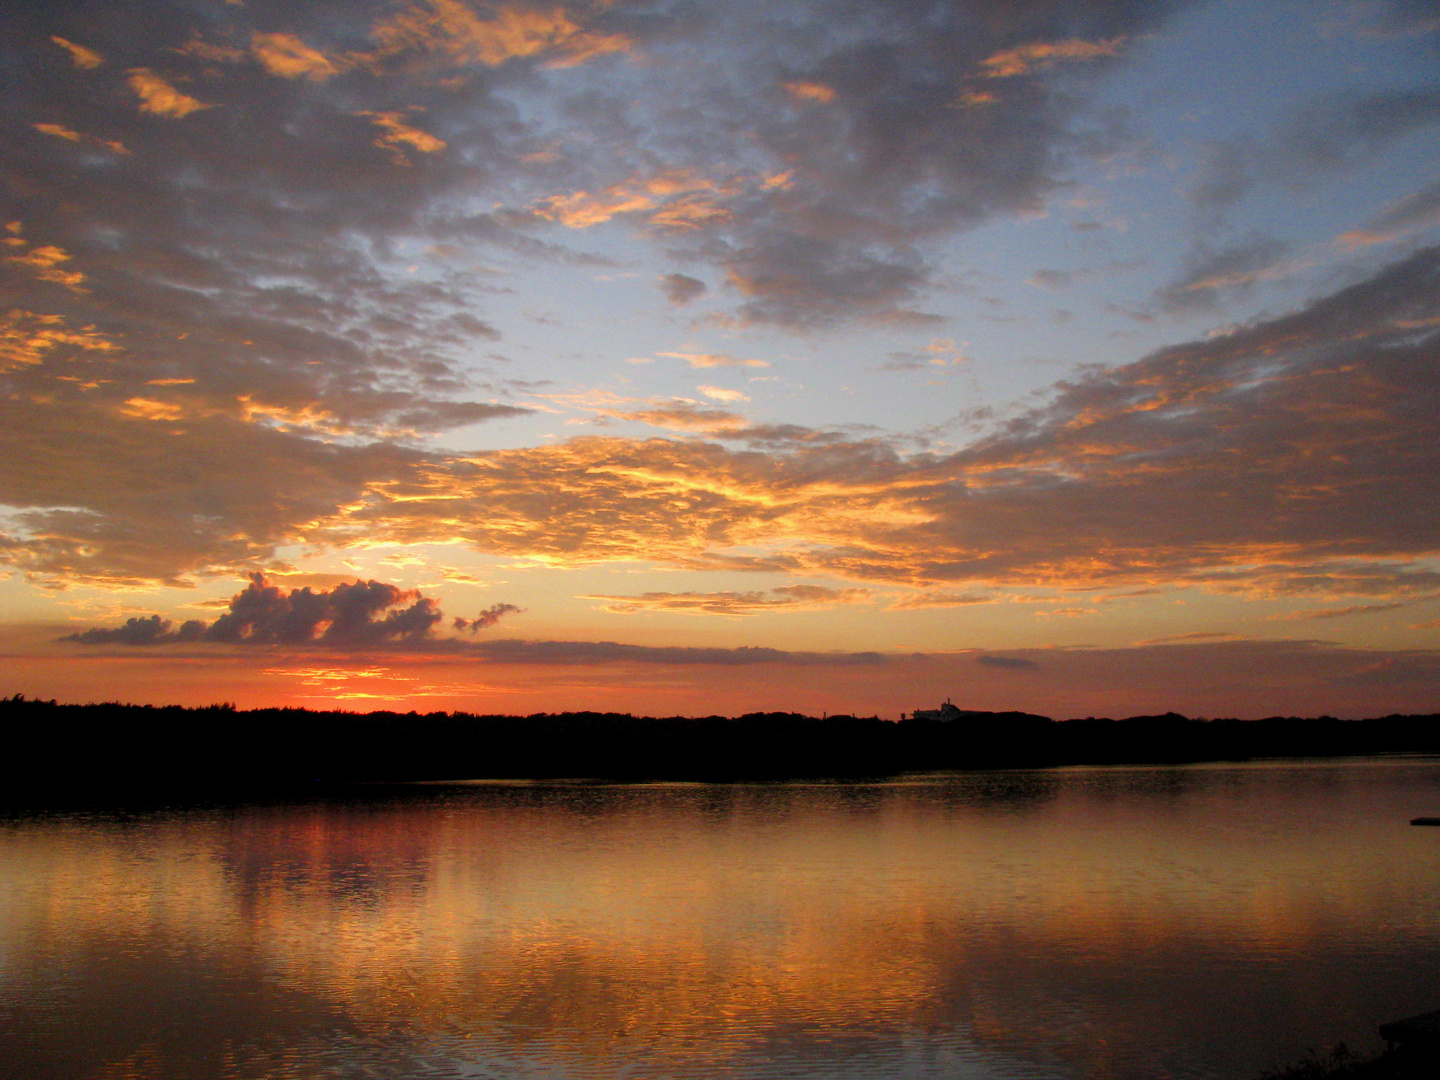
x=683 y=357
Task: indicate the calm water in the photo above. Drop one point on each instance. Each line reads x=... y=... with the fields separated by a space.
x=1189 y=922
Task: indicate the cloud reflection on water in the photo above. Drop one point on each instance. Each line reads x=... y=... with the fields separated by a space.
x=1101 y=923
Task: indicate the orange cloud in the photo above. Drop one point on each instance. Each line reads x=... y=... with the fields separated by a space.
x=1020 y=60
x=83 y=57
x=783 y=598
x=289 y=57
x=398 y=134
x=45 y=262
x=684 y=416
x=804 y=90
x=159 y=97
x=974 y=99
x=60 y=131
x=454 y=31
x=711 y=360
x=149 y=409
x=938 y=599
x=673 y=194
x=26 y=337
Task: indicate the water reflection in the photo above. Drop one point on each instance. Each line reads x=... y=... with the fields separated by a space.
x=1106 y=923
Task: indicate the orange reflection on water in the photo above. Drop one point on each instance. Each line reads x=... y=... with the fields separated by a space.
x=1086 y=924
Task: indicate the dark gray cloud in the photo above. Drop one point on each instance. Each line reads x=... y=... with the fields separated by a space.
x=1339 y=131
x=140 y=630
x=359 y=615
x=899 y=133
x=1007 y=663
x=1418 y=210
x=680 y=289
x=487 y=618
x=609 y=652
x=1211 y=273
x=857 y=133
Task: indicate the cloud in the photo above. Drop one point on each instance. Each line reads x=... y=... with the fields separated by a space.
x=1051 y=279
x=1232 y=269
x=81 y=56
x=159 y=97
x=358 y=615
x=289 y=57
x=781 y=598
x=487 y=618
x=1307 y=436
x=454 y=31
x=885 y=150
x=1346 y=612
x=60 y=131
x=720 y=393
x=805 y=282
x=273 y=262
x=1022 y=59
x=678 y=199
x=712 y=360
x=45 y=263
x=28 y=337
x=1417 y=211
x=687 y=416
x=1007 y=663
x=1324 y=578
x=940 y=353
x=938 y=598
x=801 y=90
x=151 y=630
x=1293 y=454
x=680 y=289
x=1335 y=132
x=397 y=134
x=610 y=652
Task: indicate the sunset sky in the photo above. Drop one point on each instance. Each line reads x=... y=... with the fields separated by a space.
x=706 y=356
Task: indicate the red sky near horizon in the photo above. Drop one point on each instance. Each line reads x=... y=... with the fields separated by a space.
x=820 y=355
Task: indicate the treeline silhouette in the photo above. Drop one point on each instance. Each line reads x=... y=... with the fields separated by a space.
x=115 y=748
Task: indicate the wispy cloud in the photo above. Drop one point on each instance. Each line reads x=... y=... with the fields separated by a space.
x=714 y=360
x=1022 y=59
x=780 y=598
x=79 y=54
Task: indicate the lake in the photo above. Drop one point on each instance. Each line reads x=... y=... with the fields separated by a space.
x=1195 y=921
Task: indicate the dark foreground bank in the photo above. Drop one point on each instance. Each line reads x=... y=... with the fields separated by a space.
x=54 y=748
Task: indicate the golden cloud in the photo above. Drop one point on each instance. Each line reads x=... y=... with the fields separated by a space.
x=454 y=31
x=676 y=193
x=289 y=57
x=938 y=599
x=159 y=97
x=684 y=416
x=26 y=337
x=45 y=262
x=783 y=598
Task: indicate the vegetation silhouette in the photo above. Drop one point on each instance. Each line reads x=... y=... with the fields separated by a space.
x=113 y=748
